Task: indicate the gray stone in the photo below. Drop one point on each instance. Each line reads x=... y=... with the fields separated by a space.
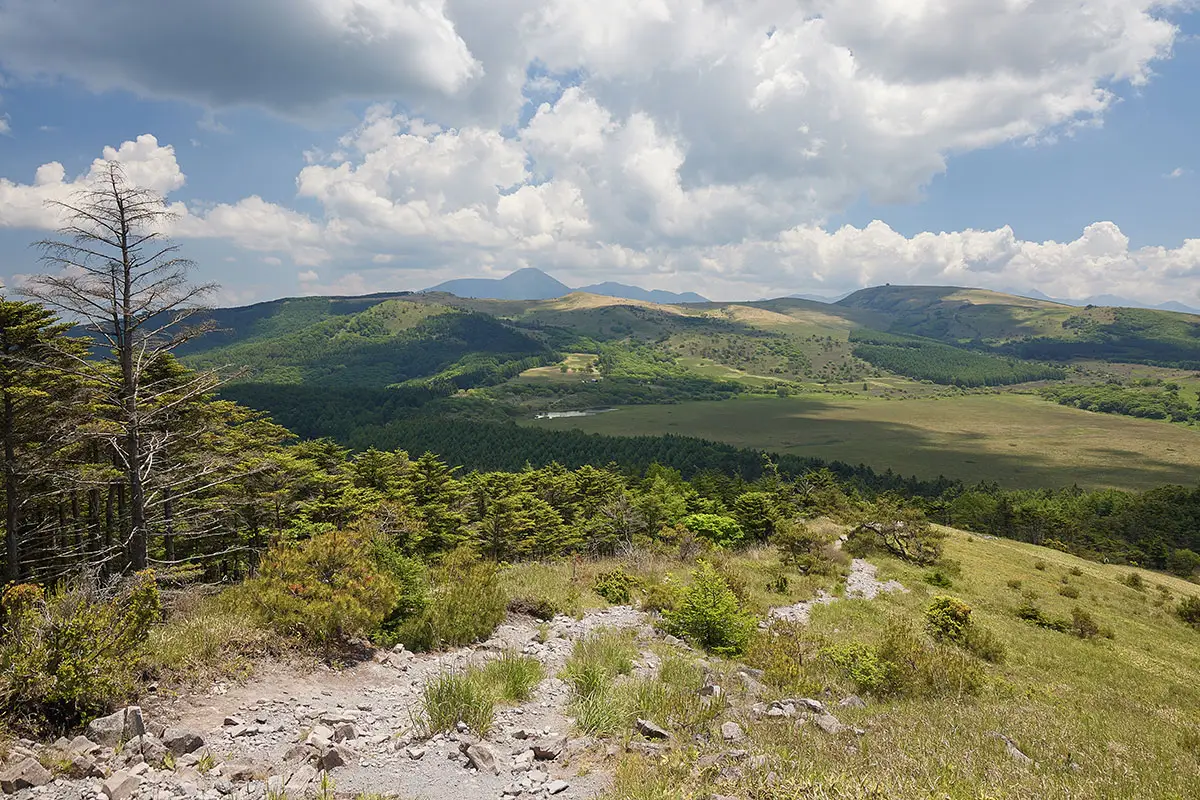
x=24 y=774
x=344 y=731
x=650 y=730
x=711 y=690
x=557 y=787
x=299 y=754
x=1010 y=747
x=481 y=758
x=299 y=780
x=415 y=753
x=240 y=771
x=549 y=748
x=732 y=732
x=809 y=704
x=853 y=701
x=117 y=728
x=181 y=740
x=829 y=723
x=332 y=758
x=82 y=744
x=121 y=786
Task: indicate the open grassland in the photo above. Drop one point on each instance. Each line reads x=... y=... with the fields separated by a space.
x=1017 y=440
x=1101 y=718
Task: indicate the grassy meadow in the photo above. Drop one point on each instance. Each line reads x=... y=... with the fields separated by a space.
x=1100 y=717
x=1020 y=441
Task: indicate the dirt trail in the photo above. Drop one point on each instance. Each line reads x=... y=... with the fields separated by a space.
x=861 y=582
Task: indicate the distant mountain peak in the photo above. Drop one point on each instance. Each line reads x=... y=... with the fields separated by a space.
x=531 y=283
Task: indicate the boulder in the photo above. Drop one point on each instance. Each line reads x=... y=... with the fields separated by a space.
x=121 y=785
x=732 y=732
x=650 y=730
x=481 y=758
x=299 y=780
x=182 y=740
x=24 y=774
x=117 y=728
x=557 y=787
x=830 y=724
x=549 y=748
x=853 y=701
x=240 y=771
x=344 y=731
x=332 y=758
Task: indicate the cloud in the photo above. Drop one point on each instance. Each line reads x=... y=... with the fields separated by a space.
x=1178 y=172
x=147 y=164
x=308 y=276
x=293 y=56
x=706 y=141
x=5 y=125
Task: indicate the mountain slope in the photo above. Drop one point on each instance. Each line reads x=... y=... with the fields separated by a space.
x=612 y=289
x=524 y=284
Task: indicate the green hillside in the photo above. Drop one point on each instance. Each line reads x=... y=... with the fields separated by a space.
x=1035 y=329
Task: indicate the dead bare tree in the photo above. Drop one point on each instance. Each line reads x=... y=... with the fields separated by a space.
x=114 y=271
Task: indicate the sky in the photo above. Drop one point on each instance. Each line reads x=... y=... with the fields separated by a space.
x=737 y=148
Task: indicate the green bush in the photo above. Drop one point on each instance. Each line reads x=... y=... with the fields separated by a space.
x=1189 y=610
x=1069 y=591
x=709 y=614
x=1031 y=613
x=915 y=667
x=1083 y=624
x=1134 y=581
x=466 y=603
x=72 y=655
x=615 y=586
x=720 y=530
x=948 y=619
x=858 y=662
x=661 y=597
x=323 y=590
x=899 y=529
x=939 y=579
x=810 y=552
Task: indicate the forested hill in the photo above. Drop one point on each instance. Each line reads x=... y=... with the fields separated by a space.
x=1035 y=329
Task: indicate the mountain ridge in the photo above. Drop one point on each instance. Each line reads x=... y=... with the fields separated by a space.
x=532 y=283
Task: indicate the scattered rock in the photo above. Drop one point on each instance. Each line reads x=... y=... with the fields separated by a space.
x=557 y=787
x=1011 y=748
x=24 y=774
x=117 y=728
x=809 y=704
x=415 y=753
x=344 y=731
x=181 y=741
x=481 y=758
x=549 y=748
x=332 y=758
x=853 y=701
x=830 y=724
x=121 y=785
x=299 y=780
x=240 y=771
x=651 y=731
x=732 y=732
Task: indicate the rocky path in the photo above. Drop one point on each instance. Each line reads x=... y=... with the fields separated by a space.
x=290 y=733
x=296 y=734
x=861 y=582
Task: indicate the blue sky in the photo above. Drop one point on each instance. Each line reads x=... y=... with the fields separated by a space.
x=369 y=145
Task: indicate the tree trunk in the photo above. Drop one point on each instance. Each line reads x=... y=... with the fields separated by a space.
x=12 y=518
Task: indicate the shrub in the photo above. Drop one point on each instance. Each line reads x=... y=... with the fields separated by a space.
x=1083 y=624
x=939 y=579
x=858 y=662
x=72 y=655
x=537 y=607
x=615 y=586
x=1189 y=610
x=465 y=605
x=720 y=530
x=985 y=644
x=454 y=697
x=1076 y=571
x=1039 y=565
x=514 y=676
x=783 y=653
x=914 y=667
x=1069 y=591
x=1032 y=614
x=709 y=614
x=809 y=551
x=661 y=597
x=323 y=590
x=1134 y=581
x=948 y=619
x=1014 y=584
